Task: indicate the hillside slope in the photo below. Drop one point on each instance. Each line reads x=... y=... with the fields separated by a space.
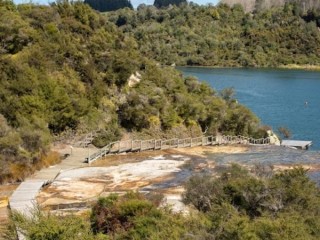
x=66 y=67
x=223 y=36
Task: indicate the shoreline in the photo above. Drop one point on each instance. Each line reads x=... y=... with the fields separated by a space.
x=280 y=67
x=300 y=67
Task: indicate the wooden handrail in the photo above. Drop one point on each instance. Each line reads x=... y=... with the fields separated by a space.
x=159 y=144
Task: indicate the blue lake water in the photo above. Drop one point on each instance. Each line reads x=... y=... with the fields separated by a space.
x=277 y=97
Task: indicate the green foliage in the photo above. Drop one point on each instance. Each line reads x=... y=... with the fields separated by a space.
x=297 y=6
x=166 y=3
x=42 y=226
x=243 y=206
x=226 y=36
x=110 y=134
x=108 y=5
x=133 y=217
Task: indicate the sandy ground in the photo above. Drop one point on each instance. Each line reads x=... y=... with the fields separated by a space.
x=202 y=151
x=194 y=151
x=122 y=158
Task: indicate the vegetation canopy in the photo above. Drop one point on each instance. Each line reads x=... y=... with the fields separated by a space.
x=108 y=5
x=225 y=35
x=66 y=67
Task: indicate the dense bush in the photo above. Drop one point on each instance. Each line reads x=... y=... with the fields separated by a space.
x=108 y=5
x=225 y=36
x=301 y=7
x=133 y=217
x=166 y=3
x=243 y=206
x=43 y=226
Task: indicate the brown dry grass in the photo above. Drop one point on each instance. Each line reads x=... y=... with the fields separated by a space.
x=19 y=171
x=115 y=160
x=50 y=159
x=5 y=192
x=204 y=150
x=201 y=151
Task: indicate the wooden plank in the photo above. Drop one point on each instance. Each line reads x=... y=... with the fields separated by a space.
x=296 y=144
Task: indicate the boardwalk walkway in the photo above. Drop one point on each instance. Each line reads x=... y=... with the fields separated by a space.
x=159 y=144
x=23 y=197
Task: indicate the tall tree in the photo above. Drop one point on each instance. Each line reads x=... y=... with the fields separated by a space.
x=108 y=5
x=165 y=3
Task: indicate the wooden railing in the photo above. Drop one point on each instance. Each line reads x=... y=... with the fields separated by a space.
x=159 y=144
x=87 y=139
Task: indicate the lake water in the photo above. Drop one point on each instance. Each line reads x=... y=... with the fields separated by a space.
x=277 y=97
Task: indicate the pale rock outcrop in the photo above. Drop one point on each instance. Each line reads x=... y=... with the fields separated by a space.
x=273 y=138
x=134 y=79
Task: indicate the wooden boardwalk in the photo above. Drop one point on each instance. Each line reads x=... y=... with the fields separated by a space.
x=23 y=200
x=304 y=145
x=159 y=144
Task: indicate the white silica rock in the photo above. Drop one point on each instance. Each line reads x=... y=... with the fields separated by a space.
x=273 y=138
x=134 y=79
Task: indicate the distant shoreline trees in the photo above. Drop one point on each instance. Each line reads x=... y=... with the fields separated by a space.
x=223 y=35
x=257 y=5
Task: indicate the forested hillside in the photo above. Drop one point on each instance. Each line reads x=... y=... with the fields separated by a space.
x=223 y=35
x=66 y=67
x=257 y=5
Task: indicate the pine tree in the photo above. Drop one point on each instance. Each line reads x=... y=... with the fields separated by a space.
x=108 y=5
x=165 y=3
